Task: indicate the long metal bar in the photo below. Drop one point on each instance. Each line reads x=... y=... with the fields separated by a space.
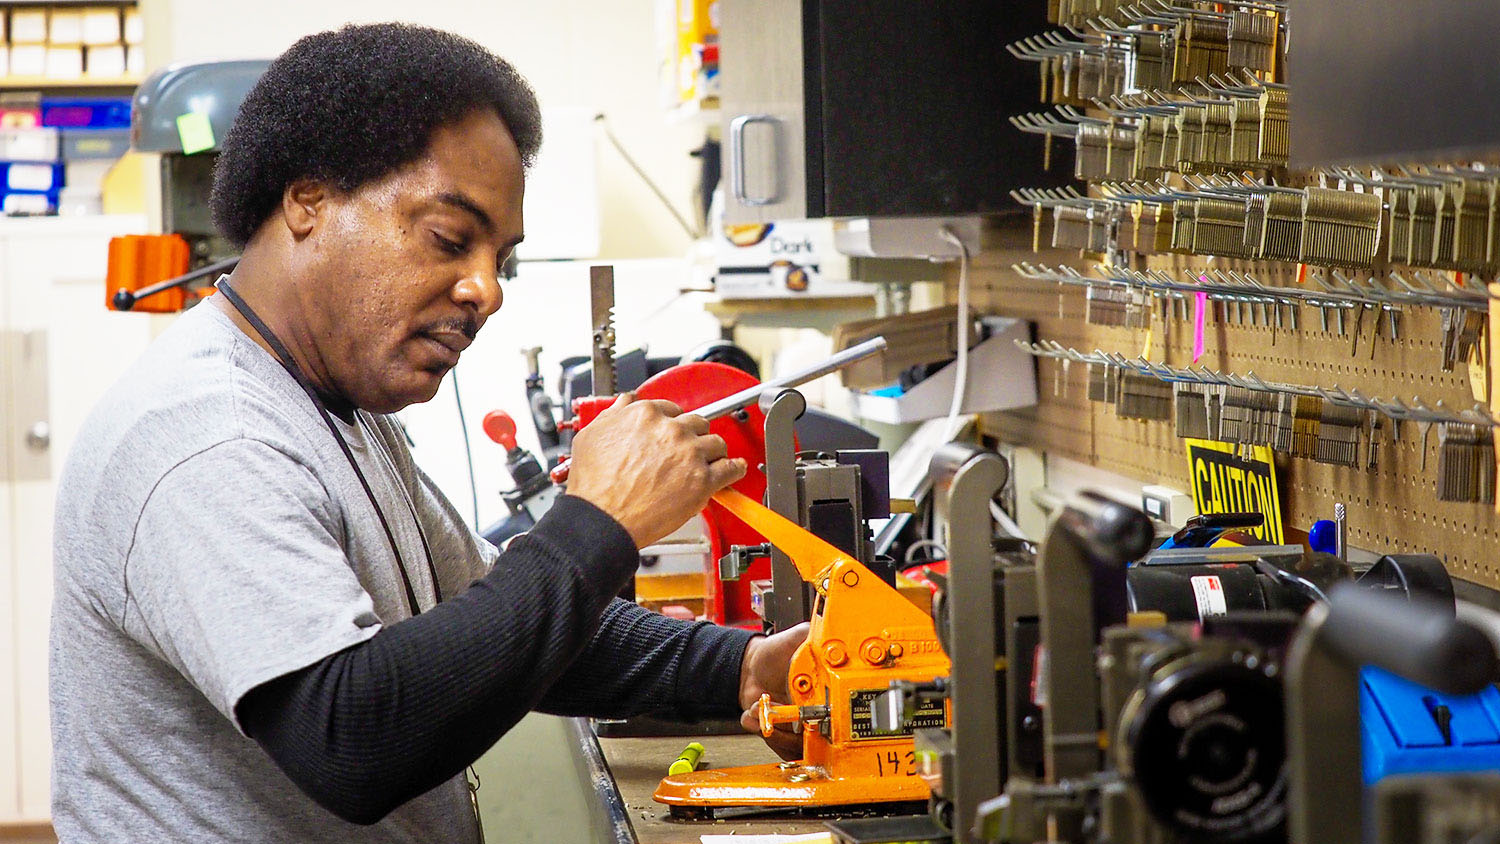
x=1350 y=295
x=751 y=395
x=124 y=299
x=1417 y=411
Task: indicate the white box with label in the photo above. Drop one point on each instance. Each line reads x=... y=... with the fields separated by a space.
x=28 y=26
x=34 y=144
x=65 y=27
x=64 y=62
x=135 y=32
x=784 y=259
x=105 y=61
x=28 y=59
x=101 y=26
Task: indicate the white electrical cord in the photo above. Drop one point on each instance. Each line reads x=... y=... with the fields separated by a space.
x=609 y=134
x=961 y=373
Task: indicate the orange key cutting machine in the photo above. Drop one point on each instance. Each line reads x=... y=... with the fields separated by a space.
x=864 y=635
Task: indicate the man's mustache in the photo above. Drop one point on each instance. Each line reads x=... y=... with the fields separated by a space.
x=469 y=327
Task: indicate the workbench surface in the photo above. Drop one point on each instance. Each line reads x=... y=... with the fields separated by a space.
x=633 y=767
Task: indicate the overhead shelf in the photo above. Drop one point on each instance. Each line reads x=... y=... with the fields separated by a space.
x=1000 y=377
x=49 y=82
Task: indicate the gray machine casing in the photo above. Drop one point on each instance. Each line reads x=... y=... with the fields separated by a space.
x=214 y=89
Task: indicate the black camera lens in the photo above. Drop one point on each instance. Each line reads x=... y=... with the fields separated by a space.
x=1206 y=748
x=1220 y=756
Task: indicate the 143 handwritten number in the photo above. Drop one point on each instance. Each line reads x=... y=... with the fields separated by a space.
x=894 y=764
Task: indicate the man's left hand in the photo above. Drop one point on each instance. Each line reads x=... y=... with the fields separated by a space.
x=764 y=671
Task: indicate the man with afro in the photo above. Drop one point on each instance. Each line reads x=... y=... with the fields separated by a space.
x=268 y=624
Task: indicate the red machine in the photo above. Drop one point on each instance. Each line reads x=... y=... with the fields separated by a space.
x=728 y=399
x=692 y=386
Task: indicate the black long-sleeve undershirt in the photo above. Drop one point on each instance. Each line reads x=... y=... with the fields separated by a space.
x=370 y=727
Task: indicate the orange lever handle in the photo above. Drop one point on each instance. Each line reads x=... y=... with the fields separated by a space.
x=809 y=554
x=771 y=714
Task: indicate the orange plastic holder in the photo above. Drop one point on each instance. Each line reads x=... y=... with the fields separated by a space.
x=141 y=260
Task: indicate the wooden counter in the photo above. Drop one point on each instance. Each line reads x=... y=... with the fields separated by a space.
x=625 y=771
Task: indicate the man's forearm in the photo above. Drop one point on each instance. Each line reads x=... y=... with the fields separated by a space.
x=370 y=727
x=640 y=661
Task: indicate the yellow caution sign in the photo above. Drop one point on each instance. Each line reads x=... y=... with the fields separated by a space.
x=1224 y=482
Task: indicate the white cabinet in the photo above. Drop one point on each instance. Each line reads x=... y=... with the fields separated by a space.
x=59 y=350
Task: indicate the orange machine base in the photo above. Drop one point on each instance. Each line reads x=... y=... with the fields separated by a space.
x=788 y=784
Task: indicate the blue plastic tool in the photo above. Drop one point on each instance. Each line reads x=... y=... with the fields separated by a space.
x=1409 y=729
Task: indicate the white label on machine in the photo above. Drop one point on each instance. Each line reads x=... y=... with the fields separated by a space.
x=1209 y=593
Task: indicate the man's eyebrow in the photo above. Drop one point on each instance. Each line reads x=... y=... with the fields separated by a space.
x=460 y=201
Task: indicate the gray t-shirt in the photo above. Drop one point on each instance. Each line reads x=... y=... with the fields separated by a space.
x=210 y=537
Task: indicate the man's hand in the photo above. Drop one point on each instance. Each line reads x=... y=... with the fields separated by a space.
x=650 y=466
x=764 y=671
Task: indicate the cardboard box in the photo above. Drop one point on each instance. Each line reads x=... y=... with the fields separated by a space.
x=101 y=26
x=34 y=144
x=64 y=62
x=65 y=27
x=28 y=59
x=28 y=26
x=20 y=109
x=789 y=258
x=32 y=177
x=87 y=112
x=79 y=202
x=29 y=204
x=93 y=144
x=134 y=30
x=86 y=175
x=105 y=60
x=697 y=26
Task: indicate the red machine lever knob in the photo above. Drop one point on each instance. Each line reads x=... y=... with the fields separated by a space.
x=500 y=427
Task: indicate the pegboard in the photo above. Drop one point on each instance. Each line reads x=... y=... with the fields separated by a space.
x=1391 y=509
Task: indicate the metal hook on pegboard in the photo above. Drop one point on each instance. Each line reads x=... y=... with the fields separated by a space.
x=1417 y=411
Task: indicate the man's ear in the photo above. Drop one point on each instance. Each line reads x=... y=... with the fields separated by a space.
x=304 y=205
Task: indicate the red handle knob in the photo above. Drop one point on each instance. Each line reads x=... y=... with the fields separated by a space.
x=499 y=427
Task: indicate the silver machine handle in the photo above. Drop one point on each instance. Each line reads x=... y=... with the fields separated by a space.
x=737 y=160
x=751 y=395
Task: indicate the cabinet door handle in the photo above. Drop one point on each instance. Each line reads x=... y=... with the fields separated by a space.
x=39 y=436
x=737 y=159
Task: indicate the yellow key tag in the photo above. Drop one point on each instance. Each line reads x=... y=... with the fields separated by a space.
x=195 y=131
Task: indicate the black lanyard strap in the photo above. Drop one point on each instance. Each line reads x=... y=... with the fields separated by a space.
x=284 y=357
